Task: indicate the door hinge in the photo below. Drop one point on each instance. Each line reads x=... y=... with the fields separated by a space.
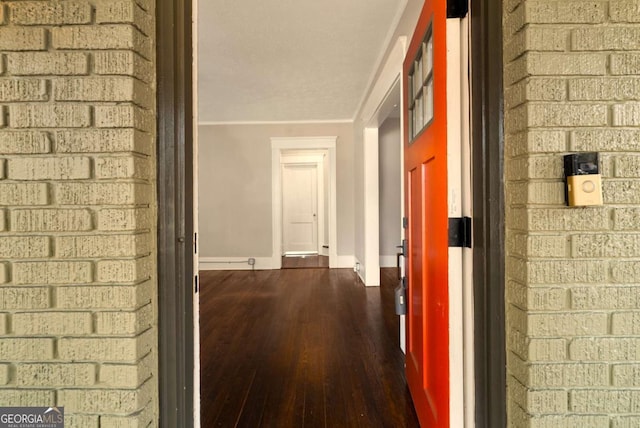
x=196 y=283
x=405 y=222
x=195 y=243
x=460 y=232
x=457 y=8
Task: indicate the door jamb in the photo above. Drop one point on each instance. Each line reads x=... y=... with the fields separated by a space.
x=460 y=282
x=488 y=212
x=175 y=213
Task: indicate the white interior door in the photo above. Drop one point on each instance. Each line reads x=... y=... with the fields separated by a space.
x=300 y=209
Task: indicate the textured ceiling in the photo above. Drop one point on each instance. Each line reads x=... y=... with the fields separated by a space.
x=288 y=60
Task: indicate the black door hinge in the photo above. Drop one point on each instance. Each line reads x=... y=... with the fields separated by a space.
x=405 y=222
x=457 y=8
x=460 y=232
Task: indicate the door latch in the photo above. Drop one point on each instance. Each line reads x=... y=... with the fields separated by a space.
x=401 y=297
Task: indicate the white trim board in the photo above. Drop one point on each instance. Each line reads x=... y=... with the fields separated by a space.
x=312 y=144
x=388 y=261
x=346 y=261
x=370 y=268
x=387 y=41
x=461 y=343
x=467 y=210
x=360 y=270
x=391 y=72
x=370 y=114
x=196 y=263
x=262 y=263
x=234 y=263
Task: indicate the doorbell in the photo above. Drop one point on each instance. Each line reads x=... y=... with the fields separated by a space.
x=583 y=182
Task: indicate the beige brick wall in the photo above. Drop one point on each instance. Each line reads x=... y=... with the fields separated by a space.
x=78 y=310
x=573 y=274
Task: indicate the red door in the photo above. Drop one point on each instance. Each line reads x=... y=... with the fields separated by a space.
x=425 y=166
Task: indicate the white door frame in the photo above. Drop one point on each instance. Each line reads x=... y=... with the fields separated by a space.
x=372 y=115
x=461 y=305
x=317 y=160
x=280 y=145
x=454 y=209
x=196 y=255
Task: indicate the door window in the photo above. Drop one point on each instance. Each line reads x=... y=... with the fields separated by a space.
x=421 y=87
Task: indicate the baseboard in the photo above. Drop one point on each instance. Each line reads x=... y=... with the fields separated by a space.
x=262 y=263
x=346 y=262
x=360 y=271
x=362 y=275
x=388 y=261
x=234 y=263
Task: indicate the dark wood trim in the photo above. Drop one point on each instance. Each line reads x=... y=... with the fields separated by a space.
x=488 y=209
x=175 y=213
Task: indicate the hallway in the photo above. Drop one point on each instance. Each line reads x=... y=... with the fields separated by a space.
x=300 y=348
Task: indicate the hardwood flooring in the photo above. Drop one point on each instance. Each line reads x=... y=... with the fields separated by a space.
x=303 y=262
x=300 y=348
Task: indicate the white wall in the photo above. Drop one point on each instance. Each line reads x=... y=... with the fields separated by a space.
x=389 y=185
x=235 y=186
x=235 y=194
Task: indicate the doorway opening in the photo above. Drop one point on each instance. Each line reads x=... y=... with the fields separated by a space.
x=305 y=209
x=303 y=200
x=384 y=94
x=176 y=197
x=390 y=183
x=308 y=160
x=391 y=189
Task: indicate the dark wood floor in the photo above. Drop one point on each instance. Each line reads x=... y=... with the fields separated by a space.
x=304 y=262
x=300 y=348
